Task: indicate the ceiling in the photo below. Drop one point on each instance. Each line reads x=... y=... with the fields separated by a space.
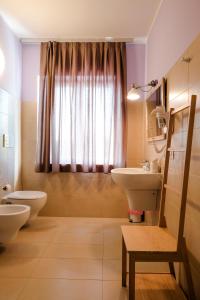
x=80 y=19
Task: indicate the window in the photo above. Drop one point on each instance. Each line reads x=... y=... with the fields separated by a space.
x=84 y=122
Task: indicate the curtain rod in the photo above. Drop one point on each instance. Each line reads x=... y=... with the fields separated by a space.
x=141 y=40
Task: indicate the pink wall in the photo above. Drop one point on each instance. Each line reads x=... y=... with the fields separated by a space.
x=30 y=71
x=176 y=26
x=135 y=64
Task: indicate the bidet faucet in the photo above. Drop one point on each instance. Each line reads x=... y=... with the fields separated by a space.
x=145 y=165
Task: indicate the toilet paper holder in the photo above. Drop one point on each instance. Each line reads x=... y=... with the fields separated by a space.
x=7 y=188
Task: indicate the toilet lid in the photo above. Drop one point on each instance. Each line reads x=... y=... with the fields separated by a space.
x=26 y=195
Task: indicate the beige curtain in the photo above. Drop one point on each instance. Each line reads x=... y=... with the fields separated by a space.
x=81 y=109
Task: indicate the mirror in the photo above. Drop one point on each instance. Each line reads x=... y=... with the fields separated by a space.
x=156 y=98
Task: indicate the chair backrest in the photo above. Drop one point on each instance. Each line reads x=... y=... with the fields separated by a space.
x=183 y=192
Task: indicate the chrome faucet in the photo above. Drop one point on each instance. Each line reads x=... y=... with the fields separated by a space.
x=145 y=165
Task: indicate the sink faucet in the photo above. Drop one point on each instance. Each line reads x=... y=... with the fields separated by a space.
x=145 y=165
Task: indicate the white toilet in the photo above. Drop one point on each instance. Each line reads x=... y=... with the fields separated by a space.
x=12 y=218
x=35 y=199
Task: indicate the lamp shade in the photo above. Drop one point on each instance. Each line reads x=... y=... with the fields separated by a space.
x=133 y=94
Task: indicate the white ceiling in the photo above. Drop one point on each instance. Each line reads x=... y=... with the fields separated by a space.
x=80 y=19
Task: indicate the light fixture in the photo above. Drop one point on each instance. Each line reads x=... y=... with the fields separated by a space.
x=133 y=93
x=109 y=38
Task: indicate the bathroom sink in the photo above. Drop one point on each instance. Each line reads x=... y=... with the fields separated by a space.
x=136 y=179
x=141 y=188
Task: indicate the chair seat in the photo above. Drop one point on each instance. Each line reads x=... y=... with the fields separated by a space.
x=148 y=239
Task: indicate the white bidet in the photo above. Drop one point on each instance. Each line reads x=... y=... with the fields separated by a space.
x=12 y=218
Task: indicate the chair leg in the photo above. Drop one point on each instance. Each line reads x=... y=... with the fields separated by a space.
x=188 y=272
x=131 y=277
x=124 y=263
x=171 y=268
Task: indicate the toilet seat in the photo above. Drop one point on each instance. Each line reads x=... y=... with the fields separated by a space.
x=35 y=199
x=28 y=195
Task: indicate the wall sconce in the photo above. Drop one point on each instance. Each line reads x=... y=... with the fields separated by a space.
x=2 y=62
x=133 y=93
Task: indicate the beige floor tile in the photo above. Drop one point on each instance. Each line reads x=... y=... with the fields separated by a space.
x=13 y=267
x=68 y=268
x=112 y=232
x=24 y=249
x=116 y=220
x=111 y=269
x=160 y=286
x=36 y=236
x=83 y=220
x=42 y=224
x=72 y=224
x=10 y=288
x=156 y=287
x=112 y=251
x=62 y=257
x=76 y=227
x=151 y=267
x=59 y=289
x=112 y=236
x=79 y=238
x=80 y=220
x=58 y=250
x=146 y=267
x=113 y=290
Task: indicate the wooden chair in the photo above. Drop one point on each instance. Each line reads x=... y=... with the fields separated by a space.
x=155 y=243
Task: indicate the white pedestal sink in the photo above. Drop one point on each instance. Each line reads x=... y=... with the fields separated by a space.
x=141 y=187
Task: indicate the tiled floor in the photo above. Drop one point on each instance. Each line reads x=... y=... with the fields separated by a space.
x=72 y=259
